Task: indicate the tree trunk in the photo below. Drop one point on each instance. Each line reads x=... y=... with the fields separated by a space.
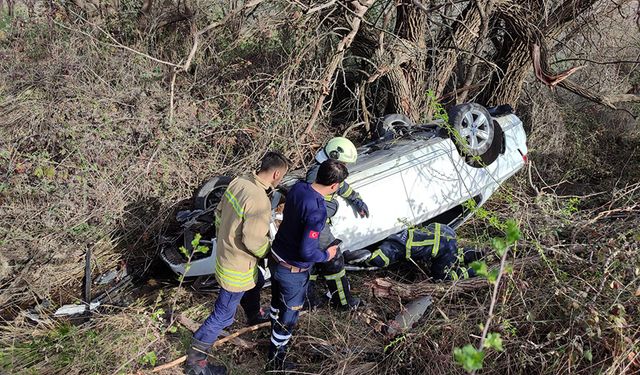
x=523 y=27
x=506 y=83
x=406 y=80
x=450 y=43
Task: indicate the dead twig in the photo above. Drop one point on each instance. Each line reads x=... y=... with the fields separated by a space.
x=233 y=337
x=169 y=365
x=115 y=42
x=241 y=332
x=173 y=85
x=198 y=34
x=387 y=288
x=193 y=326
x=359 y=9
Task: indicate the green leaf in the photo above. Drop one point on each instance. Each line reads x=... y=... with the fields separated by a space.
x=494 y=341
x=196 y=240
x=513 y=231
x=49 y=172
x=499 y=245
x=184 y=251
x=150 y=358
x=588 y=355
x=202 y=249
x=172 y=329
x=493 y=275
x=508 y=268
x=469 y=357
x=394 y=343
x=480 y=267
x=38 y=172
x=157 y=314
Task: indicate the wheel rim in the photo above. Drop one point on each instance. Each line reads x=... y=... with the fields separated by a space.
x=477 y=130
x=214 y=197
x=399 y=123
x=396 y=126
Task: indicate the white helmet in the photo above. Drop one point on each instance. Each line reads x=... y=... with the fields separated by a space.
x=341 y=149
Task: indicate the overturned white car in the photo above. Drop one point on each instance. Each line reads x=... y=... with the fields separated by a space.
x=409 y=175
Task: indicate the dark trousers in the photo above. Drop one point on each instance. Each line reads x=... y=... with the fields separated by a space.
x=225 y=308
x=446 y=263
x=288 y=291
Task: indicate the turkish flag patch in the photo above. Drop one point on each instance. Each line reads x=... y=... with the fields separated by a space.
x=314 y=234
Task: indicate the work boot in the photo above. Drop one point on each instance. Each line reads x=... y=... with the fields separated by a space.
x=471 y=254
x=260 y=317
x=356 y=256
x=354 y=304
x=277 y=362
x=314 y=299
x=197 y=363
x=340 y=290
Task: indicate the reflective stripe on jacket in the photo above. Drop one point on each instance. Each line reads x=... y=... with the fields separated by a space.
x=244 y=213
x=418 y=244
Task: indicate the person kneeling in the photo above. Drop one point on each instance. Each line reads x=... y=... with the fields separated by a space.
x=435 y=243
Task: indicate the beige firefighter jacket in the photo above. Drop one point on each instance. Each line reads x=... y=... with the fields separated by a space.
x=243 y=216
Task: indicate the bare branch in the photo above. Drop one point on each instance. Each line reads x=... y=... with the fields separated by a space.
x=360 y=8
x=198 y=34
x=544 y=76
x=115 y=42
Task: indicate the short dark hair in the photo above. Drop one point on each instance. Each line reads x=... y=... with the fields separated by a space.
x=273 y=160
x=331 y=171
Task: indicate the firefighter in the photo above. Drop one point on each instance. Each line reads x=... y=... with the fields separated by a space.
x=295 y=250
x=243 y=238
x=435 y=243
x=342 y=150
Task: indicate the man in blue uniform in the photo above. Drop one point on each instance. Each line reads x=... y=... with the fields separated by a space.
x=344 y=151
x=295 y=250
x=436 y=243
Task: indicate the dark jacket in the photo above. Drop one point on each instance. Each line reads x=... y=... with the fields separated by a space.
x=345 y=191
x=304 y=217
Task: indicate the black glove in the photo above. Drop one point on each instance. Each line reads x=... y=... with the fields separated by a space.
x=361 y=207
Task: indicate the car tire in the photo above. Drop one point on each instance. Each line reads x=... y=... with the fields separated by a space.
x=392 y=126
x=476 y=135
x=210 y=193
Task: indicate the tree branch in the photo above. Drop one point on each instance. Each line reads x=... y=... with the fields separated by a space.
x=198 y=34
x=388 y=288
x=360 y=8
x=541 y=70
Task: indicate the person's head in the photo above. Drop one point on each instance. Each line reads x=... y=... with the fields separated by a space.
x=341 y=149
x=330 y=175
x=273 y=167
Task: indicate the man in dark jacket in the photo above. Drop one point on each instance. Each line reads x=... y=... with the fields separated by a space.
x=436 y=243
x=295 y=250
x=344 y=151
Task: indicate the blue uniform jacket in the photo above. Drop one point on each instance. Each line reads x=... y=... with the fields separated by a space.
x=304 y=217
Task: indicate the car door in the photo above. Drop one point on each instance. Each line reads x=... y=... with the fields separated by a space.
x=378 y=178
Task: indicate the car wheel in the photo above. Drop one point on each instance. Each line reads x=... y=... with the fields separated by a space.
x=210 y=193
x=391 y=126
x=476 y=135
